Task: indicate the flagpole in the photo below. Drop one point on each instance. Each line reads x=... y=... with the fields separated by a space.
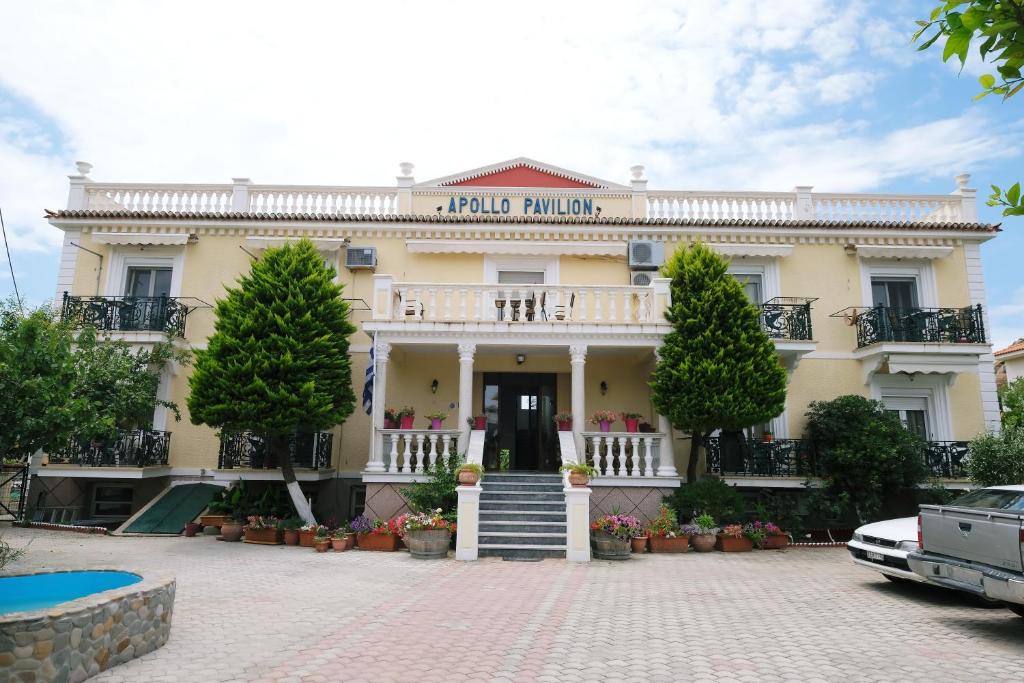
x=373 y=398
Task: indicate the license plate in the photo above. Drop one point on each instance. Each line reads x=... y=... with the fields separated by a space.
x=968 y=576
x=875 y=557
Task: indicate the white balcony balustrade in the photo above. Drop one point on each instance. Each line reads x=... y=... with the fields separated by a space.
x=412 y=451
x=624 y=454
x=426 y=302
x=327 y=201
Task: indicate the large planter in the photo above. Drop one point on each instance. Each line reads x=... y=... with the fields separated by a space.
x=428 y=544
x=638 y=544
x=231 y=531
x=383 y=542
x=291 y=536
x=306 y=537
x=731 y=544
x=632 y=424
x=214 y=520
x=775 y=542
x=406 y=421
x=263 y=536
x=468 y=478
x=578 y=479
x=664 y=544
x=565 y=426
x=704 y=543
x=608 y=547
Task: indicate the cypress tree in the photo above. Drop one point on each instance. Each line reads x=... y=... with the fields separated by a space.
x=278 y=360
x=717 y=368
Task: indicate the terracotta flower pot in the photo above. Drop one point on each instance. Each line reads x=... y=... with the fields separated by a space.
x=664 y=544
x=306 y=537
x=263 y=536
x=291 y=536
x=468 y=478
x=191 y=529
x=231 y=531
x=638 y=544
x=703 y=543
x=406 y=421
x=632 y=424
x=731 y=544
x=775 y=541
x=608 y=547
x=322 y=546
x=565 y=426
x=351 y=536
x=382 y=542
x=214 y=520
x=578 y=479
x=479 y=423
x=339 y=544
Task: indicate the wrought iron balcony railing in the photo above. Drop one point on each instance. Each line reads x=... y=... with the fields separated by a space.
x=942 y=325
x=126 y=313
x=249 y=450
x=128 y=448
x=947 y=459
x=787 y=317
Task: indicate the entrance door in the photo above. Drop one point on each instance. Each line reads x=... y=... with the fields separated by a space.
x=520 y=408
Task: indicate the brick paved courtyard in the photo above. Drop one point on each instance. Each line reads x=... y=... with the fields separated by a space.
x=255 y=613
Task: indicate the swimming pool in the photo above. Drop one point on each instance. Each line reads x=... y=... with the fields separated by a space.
x=37 y=591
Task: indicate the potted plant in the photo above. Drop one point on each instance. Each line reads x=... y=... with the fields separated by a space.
x=306 y=534
x=436 y=419
x=322 y=540
x=374 y=535
x=339 y=540
x=192 y=528
x=767 y=437
x=391 y=418
x=579 y=473
x=469 y=474
x=632 y=421
x=564 y=421
x=638 y=544
x=604 y=419
x=504 y=459
x=428 y=534
x=702 y=532
x=775 y=538
x=222 y=507
x=611 y=535
x=232 y=529
x=263 y=530
x=477 y=423
x=290 y=530
x=666 y=536
x=733 y=539
x=406 y=416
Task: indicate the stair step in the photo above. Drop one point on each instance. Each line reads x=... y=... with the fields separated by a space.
x=521 y=488
x=521 y=495
x=522 y=527
x=522 y=478
x=516 y=538
x=522 y=553
x=501 y=516
x=522 y=506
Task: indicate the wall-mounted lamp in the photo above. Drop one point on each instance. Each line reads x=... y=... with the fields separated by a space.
x=520 y=358
x=604 y=387
x=433 y=387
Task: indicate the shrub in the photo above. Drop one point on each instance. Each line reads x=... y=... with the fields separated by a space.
x=439 y=489
x=712 y=496
x=997 y=458
x=864 y=453
x=1011 y=396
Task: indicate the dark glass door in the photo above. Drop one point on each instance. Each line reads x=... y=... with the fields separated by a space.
x=520 y=409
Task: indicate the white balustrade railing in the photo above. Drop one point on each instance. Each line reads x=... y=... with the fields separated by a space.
x=329 y=201
x=412 y=451
x=624 y=454
x=889 y=208
x=136 y=197
x=721 y=205
x=431 y=302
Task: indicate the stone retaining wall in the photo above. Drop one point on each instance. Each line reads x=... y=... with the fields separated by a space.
x=78 y=639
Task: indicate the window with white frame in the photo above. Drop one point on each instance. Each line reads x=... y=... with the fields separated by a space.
x=520 y=277
x=894 y=291
x=912 y=412
x=920 y=401
x=758 y=277
x=898 y=284
x=148 y=281
x=521 y=270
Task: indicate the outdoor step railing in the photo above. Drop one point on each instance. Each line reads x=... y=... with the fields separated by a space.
x=412 y=451
x=128 y=448
x=787 y=318
x=945 y=325
x=126 y=313
x=623 y=454
x=250 y=450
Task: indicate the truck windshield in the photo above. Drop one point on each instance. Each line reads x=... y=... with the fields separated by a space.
x=992 y=499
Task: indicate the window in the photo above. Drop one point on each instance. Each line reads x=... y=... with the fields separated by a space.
x=752 y=286
x=912 y=412
x=894 y=292
x=112 y=501
x=520 y=277
x=992 y=499
x=146 y=282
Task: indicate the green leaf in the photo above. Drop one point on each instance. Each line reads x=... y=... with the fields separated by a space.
x=958 y=43
x=935 y=13
x=973 y=18
x=987 y=81
x=928 y=43
x=982 y=95
x=1008 y=72
x=1015 y=90
x=1015 y=211
x=1013 y=194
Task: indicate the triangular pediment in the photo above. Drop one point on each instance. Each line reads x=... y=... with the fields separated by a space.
x=522 y=172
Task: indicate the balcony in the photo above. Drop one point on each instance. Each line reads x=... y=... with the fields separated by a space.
x=128 y=448
x=786 y=317
x=928 y=325
x=248 y=450
x=947 y=459
x=126 y=313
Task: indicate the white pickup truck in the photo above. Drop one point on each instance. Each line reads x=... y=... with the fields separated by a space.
x=975 y=544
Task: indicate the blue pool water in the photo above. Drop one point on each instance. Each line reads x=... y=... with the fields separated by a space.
x=23 y=593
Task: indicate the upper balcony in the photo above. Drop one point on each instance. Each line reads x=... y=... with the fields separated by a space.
x=166 y=315
x=131 y=448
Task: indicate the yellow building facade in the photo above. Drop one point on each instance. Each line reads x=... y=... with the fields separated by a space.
x=520 y=290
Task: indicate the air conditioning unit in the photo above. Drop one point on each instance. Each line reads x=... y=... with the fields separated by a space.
x=640 y=278
x=646 y=254
x=357 y=258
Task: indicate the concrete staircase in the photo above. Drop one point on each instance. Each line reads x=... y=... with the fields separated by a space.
x=522 y=516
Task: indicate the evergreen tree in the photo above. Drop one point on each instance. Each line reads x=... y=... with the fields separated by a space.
x=278 y=360
x=717 y=368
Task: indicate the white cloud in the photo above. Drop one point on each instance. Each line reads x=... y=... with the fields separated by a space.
x=1007 y=320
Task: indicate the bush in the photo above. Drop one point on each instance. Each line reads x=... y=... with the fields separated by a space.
x=864 y=453
x=713 y=496
x=438 y=491
x=997 y=458
x=1011 y=396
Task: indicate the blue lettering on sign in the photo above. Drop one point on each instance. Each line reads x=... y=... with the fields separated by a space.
x=538 y=206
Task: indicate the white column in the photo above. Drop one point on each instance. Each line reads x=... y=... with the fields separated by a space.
x=638 y=185
x=803 y=205
x=577 y=529
x=240 y=194
x=405 y=183
x=577 y=359
x=467 y=540
x=380 y=384
x=666 y=452
x=466 y=352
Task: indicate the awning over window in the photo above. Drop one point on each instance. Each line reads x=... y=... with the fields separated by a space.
x=321 y=243
x=141 y=238
x=894 y=251
x=516 y=247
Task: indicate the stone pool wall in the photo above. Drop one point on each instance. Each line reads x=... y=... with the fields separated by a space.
x=78 y=639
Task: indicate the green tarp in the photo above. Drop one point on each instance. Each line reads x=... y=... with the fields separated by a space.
x=177 y=507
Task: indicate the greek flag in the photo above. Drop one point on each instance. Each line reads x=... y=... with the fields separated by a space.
x=368 y=386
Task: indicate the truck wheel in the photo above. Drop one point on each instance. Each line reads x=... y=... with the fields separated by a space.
x=1016 y=609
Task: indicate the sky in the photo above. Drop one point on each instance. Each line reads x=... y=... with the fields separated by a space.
x=719 y=95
